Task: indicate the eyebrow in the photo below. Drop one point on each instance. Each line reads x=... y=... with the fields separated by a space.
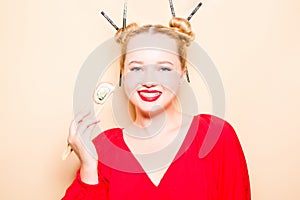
x=165 y=62
x=159 y=62
x=135 y=62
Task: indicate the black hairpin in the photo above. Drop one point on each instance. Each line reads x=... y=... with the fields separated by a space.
x=172 y=8
x=109 y=20
x=194 y=11
x=120 y=79
x=124 y=14
x=124 y=17
x=187 y=75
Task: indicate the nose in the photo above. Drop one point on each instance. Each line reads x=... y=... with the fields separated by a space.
x=149 y=77
x=149 y=84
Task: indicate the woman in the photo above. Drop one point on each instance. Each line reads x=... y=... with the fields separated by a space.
x=153 y=67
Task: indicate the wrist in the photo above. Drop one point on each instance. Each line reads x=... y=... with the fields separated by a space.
x=89 y=173
x=89 y=164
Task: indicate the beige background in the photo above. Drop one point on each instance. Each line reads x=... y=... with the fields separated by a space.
x=254 y=44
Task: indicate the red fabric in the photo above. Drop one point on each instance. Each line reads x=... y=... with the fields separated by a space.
x=221 y=175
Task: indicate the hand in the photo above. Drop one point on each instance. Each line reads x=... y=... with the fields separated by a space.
x=79 y=139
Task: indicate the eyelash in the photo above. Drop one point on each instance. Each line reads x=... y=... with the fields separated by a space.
x=135 y=69
x=165 y=69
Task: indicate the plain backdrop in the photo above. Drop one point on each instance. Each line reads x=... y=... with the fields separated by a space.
x=254 y=44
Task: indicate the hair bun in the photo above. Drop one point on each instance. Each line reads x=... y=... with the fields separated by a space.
x=183 y=27
x=121 y=35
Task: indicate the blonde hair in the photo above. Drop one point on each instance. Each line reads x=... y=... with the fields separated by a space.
x=179 y=29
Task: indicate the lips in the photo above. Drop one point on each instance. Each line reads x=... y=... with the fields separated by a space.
x=149 y=95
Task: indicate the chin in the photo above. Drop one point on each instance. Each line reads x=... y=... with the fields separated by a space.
x=147 y=109
x=152 y=107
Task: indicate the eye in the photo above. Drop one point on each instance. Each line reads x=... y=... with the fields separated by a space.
x=165 y=69
x=136 y=69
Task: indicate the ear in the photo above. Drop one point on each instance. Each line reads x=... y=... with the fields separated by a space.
x=186 y=73
x=182 y=75
x=183 y=72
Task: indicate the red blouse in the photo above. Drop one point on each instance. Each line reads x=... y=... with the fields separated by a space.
x=219 y=172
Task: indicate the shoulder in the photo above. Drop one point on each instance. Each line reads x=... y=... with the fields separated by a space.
x=207 y=121
x=216 y=133
x=222 y=152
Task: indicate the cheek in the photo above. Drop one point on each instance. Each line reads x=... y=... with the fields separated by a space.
x=131 y=82
x=170 y=81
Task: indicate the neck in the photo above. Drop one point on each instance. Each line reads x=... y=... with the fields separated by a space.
x=168 y=115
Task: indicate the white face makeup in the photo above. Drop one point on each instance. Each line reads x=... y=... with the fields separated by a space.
x=152 y=74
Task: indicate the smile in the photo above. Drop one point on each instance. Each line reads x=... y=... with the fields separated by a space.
x=149 y=95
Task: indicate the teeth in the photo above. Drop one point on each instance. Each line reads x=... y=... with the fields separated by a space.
x=150 y=94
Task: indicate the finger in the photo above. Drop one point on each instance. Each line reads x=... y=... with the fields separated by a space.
x=86 y=139
x=86 y=124
x=73 y=128
x=81 y=115
x=94 y=123
x=86 y=136
x=84 y=129
x=89 y=130
x=88 y=119
x=77 y=129
x=79 y=118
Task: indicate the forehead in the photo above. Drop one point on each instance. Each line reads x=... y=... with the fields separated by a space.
x=151 y=56
x=152 y=41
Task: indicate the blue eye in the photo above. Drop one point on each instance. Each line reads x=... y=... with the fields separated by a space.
x=165 y=69
x=136 y=69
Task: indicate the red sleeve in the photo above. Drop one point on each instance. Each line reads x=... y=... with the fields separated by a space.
x=233 y=174
x=79 y=190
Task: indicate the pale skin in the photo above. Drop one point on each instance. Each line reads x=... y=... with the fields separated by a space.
x=84 y=123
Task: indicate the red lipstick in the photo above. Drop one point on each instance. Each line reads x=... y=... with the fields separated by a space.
x=149 y=95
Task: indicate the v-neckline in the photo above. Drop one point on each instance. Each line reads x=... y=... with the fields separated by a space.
x=181 y=150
